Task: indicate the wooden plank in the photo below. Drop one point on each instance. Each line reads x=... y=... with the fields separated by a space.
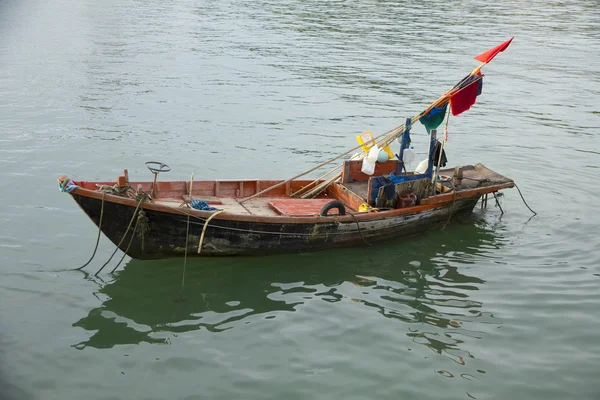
x=186 y=198
x=346 y=174
x=370 y=192
x=200 y=189
x=228 y=188
x=276 y=192
x=232 y=206
x=300 y=206
x=350 y=199
x=203 y=188
x=260 y=207
x=357 y=188
x=352 y=170
x=224 y=203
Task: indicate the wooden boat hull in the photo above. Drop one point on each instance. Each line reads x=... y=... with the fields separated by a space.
x=163 y=233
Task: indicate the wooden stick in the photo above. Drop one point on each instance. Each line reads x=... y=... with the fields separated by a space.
x=305 y=188
x=191 y=183
x=314 y=192
x=306 y=172
x=437 y=169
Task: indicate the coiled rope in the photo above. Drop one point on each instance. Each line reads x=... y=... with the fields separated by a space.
x=122 y=191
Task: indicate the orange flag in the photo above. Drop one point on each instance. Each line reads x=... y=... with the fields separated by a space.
x=491 y=53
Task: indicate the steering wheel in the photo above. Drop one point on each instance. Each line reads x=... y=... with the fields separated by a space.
x=155 y=167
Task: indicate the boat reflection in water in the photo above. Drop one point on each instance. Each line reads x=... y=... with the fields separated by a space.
x=420 y=282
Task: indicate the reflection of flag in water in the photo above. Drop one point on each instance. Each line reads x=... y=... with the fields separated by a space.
x=468 y=90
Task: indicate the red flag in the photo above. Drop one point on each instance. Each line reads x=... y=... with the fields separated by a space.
x=464 y=99
x=491 y=53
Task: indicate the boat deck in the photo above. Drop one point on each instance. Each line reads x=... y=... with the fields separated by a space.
x=261 y=206
x=474 y=176
x=352 y=194
x=258 y=206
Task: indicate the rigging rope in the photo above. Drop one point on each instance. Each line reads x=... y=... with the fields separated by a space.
x=485 y=180
x=452 y=206
x=143 y=198
x=359 y=230
x=123 y=191
x=98 y=238
x=262 y=232
x=141 y=220
x=523 y=198
x=498 y=202
x=204 y=229
x=187 y=235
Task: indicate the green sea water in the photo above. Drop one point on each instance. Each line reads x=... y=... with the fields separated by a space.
x=491 y=307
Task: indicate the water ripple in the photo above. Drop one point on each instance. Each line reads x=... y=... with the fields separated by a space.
x=483 y=309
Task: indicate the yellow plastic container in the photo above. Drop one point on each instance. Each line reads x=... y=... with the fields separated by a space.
x=367 y=141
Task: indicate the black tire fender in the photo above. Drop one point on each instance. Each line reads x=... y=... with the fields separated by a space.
x=333 y=204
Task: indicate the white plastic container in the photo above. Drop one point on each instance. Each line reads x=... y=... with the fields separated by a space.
x=408 y=156
x=373 y=154
x=368 y=167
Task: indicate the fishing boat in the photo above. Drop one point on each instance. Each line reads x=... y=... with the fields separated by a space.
x=370 y=196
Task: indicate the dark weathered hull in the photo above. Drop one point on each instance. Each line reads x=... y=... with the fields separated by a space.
x=161 y=234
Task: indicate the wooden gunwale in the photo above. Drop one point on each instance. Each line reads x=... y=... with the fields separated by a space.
x=449 y=196
x=431 y=203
